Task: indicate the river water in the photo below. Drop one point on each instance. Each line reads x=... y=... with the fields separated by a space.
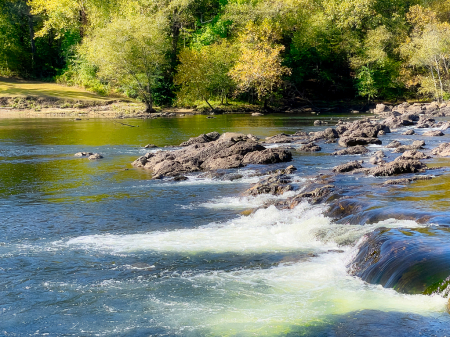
x=96 y=248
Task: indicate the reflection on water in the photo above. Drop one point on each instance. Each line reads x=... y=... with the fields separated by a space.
x=97 y=248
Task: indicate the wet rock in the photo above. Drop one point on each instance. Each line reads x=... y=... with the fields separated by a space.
x=276 y=184
x=405 y=181
x=377 y=159
x=402 y=259
x=381 y=133
x=393 y=144
x=413 y=154
x=301 y=134
x=425 y=122
x=353 y=165
x=398 y=167
x=316 y=195
x=416 y=145
x=354 y=150
x=436 y=133
x=381 y=108
x=443 y=150
x=397 y=122
x=150 y=146
x=354 y=141
x=318 y=122
x=444 y=126
x=180 y=178
x=95 y=156
x=310 y=147
x=284 y=138
x=83 y=154
x=408 y=133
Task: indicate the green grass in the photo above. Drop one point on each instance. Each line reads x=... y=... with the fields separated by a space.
x=20 y=88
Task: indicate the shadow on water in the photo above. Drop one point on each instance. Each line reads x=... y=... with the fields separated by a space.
x=374 y=323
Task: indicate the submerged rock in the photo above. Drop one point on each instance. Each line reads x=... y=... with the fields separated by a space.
x=95 y=156
x=83 y=154
x=412 y=261
x=405 y=181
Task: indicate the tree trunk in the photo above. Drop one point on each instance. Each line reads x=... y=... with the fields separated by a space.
x=149 y=106
x=33 y=45
x=175 y=37
x=83 y=23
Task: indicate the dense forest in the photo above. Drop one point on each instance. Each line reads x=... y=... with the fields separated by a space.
x=168 y=52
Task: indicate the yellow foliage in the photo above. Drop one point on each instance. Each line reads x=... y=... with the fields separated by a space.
x=259 y=67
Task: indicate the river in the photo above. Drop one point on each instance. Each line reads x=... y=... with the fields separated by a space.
x=96 y=248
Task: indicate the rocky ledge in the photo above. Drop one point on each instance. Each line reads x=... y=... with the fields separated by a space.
x=211 y=152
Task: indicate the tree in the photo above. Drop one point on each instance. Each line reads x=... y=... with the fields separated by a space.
x=130 y=52
x=204 y=73
x=259 y=67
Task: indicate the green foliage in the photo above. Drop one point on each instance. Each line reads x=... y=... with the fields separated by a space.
x=131 y=53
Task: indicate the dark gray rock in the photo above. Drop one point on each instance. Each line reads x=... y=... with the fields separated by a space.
x=354 y=150
x=353 y=165
x=354 y=141
x=95 y=156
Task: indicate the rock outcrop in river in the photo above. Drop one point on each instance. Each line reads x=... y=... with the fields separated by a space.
x=211 y=152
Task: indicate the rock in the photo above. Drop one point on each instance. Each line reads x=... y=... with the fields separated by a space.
x=233 y=136
x=228 y=151
x=213 y=135
x=180 y=178
x=398 y=167
x=290 y=169
x=311 y=147
x=328 y=133
x=150 y=146
x=416 y=145
x=436 y=133
x=276 y=184
x=198 y=140
x=354 y=141
x=381 y=133
x=252 y=137
x=443 y=150
x=358 y=149
x=301 y=134
x=95 y=156
x=380 y=108
x=83 y=154
x=396 y=122
x=393 y=144
x=377 y=159
x=257 y=114
x=284 y=138
x=405 y=181
x=316 y=195
x=353 y=165
x=413 y=154
x=408 y=133
x=425 y=122
x=318 y=122
x=267 y=156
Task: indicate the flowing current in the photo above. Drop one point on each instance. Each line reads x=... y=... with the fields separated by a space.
x=98 y=249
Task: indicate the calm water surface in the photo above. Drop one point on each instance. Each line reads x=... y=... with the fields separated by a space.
x=98 y=249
